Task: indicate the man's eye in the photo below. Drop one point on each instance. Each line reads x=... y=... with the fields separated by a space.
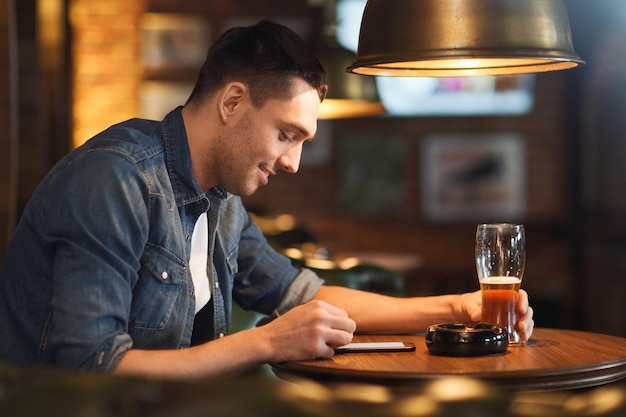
x=285 y=137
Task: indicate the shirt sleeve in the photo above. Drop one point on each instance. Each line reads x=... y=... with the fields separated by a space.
x=266 y=279
x=302 y=290
x=95 y=217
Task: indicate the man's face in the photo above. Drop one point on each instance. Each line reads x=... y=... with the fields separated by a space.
x=267 y=140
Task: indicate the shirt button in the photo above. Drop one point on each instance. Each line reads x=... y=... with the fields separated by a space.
x=187 y=238
x=217 y=284
x=192 y=294
x=164 y=275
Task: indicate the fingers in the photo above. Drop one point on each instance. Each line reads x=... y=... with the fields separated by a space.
x=333 y=325
x=525 y=324
x=310 y=331
x=476 y=315
x=330 y=332
x=335 y=317
x=331 y=340
x=522 y=302
x=469 y=308
x=476 y=309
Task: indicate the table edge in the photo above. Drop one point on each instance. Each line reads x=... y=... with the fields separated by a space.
x=588 y=375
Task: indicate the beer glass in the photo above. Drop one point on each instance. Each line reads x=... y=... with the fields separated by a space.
x=500 y=260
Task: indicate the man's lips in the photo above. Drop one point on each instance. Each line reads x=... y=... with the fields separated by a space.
x=265 y=175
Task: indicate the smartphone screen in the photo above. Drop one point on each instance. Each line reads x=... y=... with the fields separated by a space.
x=377 y=347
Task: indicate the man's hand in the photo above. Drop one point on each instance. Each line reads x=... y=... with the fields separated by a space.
x=310 y=331
x=469 y=310
x=525 y=323
x=469 y=307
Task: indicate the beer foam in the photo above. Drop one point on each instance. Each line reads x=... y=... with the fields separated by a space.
x=501 y=280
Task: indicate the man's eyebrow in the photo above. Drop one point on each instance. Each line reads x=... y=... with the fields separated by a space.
x=301 y=129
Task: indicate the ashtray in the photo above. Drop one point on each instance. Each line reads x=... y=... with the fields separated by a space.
x=455 y=339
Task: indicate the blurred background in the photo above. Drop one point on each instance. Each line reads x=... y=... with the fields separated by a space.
x=403 y=190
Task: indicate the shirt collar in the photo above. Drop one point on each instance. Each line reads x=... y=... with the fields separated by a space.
x=178 y=161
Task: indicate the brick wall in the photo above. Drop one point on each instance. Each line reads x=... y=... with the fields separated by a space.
x=107 y=71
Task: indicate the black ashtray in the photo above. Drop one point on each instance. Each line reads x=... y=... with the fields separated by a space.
x=455 y=339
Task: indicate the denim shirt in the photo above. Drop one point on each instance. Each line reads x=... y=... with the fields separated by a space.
x=99 y=262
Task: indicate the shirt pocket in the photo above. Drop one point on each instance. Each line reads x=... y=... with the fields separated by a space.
x=162 y=278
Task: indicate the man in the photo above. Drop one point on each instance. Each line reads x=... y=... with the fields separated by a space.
x=132 y=249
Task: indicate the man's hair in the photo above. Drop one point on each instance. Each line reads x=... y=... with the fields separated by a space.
x=267 y=57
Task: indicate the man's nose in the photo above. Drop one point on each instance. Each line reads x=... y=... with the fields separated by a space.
x=290 y=160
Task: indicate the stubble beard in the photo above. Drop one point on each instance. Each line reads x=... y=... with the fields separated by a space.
x=238 y=179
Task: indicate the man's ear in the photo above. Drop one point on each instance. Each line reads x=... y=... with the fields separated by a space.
x=231 y=99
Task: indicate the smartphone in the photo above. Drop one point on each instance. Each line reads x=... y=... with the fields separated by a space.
x=377 y=347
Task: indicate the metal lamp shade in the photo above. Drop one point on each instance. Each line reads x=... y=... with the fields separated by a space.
x=443 y=38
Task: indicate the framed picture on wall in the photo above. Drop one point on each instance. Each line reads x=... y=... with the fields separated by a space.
x=473 y=177
x=371 y=183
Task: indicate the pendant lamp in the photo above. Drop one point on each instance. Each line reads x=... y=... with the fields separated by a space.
x=456 y=38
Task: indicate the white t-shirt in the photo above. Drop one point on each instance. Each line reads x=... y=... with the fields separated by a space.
x=198 y=261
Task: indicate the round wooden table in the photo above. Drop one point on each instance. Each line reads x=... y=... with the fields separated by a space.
x=553 y=359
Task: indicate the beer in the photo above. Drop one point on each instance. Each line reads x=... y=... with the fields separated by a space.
x=500 y=296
